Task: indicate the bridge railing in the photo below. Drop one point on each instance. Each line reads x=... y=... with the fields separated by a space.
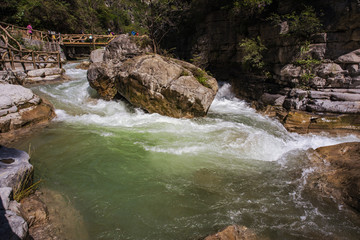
x=12 y=52
x=38 y=59
x=23 y=32
x=86 y=39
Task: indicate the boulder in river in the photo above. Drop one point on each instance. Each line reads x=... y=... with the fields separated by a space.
x=154 y=83
x=337 y=173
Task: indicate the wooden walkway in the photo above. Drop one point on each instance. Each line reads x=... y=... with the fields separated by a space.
x=12 y=52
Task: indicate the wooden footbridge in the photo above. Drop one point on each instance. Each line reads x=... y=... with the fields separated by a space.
x=12 y=52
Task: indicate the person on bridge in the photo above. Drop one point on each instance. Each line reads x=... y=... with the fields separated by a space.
x=29 y=28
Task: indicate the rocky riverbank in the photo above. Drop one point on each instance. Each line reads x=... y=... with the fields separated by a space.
x=21 y=109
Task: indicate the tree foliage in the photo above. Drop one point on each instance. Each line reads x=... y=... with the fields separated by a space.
x=302 y=24
x=74 y=16
x=253 y=53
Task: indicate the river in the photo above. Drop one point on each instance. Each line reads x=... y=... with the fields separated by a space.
x=133 y=175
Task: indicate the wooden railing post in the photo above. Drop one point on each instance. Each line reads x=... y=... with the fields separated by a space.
x=59 y=59
x=33 y=59
x=11 y=55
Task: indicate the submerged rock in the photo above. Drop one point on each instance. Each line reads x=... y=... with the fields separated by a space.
x=51 y=216
x=337 y=173
x=154 y=83
x=234 y=232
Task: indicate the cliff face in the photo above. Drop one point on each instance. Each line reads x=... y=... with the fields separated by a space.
x=332 y=86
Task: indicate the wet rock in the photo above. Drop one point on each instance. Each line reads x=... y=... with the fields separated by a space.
x=84 y=65
x=305 y=122
x=51 y=216
x=102 y=80
x=34 y=210
x=21 y=108
x=296 y=121
x=337 y=173
x=234 y=232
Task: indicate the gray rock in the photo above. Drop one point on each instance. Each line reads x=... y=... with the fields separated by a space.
x=298 y=93
x=326 y=70
x=158 y=85
x=5 y=193
x=12 y=226
x=329 y=106
x=14 y=167
x=319 y=95
x=5 y=102
x=355 y=36
x=290 y=71
x=43 y=72
x=317 y=82
x=352 y=57
x=353 y=69
x=97 y=55
x=50 y=78
x=318 y=50
x=340 y=90
x=345 y=97
x=273 y=99
x=14 y=206
x=125 y=47
x=18 y=94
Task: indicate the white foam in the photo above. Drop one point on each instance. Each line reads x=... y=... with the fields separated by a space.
x=234 y=129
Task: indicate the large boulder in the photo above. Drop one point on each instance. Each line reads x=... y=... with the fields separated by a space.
x=337 y=173
x=154 y=83
x=20 y=107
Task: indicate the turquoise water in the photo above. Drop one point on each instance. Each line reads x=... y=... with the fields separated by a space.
x=133 y=175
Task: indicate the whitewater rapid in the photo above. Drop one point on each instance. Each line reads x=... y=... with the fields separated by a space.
x=232 y=128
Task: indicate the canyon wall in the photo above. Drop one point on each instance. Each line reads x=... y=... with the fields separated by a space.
x=325 y=97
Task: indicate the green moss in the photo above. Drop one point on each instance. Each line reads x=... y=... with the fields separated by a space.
x=201 y=76
x=184 y=73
